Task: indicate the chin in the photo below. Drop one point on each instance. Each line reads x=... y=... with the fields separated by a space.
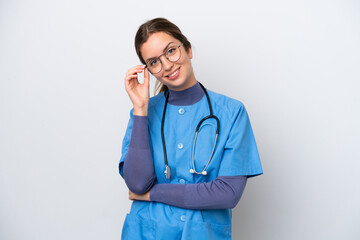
x=176 y=85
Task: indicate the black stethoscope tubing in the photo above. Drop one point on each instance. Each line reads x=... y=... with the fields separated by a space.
x=167 y=168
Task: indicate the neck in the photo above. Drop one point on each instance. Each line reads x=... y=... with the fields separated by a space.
x=185 y=97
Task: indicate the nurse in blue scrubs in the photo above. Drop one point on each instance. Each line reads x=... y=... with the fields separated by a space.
x=187 y=151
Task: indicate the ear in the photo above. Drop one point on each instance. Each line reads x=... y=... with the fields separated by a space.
x=189 y=52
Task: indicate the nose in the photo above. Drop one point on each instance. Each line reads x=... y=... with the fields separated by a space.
x=167 y=65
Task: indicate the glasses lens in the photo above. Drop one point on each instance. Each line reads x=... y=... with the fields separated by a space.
x=154 y=65
x=173 y=53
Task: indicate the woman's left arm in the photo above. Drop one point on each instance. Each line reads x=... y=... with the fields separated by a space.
x=222 y=193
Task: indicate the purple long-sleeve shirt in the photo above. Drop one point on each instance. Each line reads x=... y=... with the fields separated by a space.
x=139 y=174
x=138 y=168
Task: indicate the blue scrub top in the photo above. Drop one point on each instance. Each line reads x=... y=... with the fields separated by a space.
x=235 y=154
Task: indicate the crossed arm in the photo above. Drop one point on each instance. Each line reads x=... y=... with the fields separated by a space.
x=223 y=192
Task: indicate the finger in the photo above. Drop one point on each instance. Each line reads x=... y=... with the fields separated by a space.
x=130 y=77
x=131 y=80
x=133 y=72
x=146 y=77
x=136 y=69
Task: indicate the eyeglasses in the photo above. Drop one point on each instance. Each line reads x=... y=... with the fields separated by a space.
x=172 y=54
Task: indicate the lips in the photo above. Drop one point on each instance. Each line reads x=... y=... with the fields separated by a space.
x=174 y=74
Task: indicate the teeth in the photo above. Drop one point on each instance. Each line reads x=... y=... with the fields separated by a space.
x=174 y=73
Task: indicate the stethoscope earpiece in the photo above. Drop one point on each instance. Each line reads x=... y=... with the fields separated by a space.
x=204 y=173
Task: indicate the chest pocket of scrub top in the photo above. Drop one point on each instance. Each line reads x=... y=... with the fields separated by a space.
x=204 y=145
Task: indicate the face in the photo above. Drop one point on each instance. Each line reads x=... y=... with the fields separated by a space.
x=177 y=75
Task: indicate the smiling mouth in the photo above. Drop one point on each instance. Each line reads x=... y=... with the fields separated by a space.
x=172 y=75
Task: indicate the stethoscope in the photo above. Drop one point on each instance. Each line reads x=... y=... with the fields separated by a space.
x=192 y=170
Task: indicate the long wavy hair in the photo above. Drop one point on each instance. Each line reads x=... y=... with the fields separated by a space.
x=153 y=26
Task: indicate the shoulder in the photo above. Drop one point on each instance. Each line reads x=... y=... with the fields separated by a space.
x=156 y=105
x=155 y=100
x=228 y=106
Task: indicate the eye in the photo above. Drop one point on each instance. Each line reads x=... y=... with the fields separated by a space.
x=171 y=50
x=153 y=62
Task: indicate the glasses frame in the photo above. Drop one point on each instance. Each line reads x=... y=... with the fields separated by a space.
x=164 y=54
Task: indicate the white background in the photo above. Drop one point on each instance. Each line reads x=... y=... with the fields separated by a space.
x=63 y=111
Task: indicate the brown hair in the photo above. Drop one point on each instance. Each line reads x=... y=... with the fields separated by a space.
x=153 y=26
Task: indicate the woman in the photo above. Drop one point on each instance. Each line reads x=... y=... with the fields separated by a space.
x=183 y=184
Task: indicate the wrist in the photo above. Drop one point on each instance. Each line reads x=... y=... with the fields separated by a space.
x=140 y=111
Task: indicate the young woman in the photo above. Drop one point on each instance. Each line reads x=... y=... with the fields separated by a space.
x=187 y=151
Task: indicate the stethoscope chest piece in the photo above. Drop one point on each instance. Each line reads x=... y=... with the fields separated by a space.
x=167 y=172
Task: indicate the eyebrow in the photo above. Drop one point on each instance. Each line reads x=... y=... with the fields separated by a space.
x=163 y=51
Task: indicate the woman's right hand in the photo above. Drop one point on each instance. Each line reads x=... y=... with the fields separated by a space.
x=139 y=93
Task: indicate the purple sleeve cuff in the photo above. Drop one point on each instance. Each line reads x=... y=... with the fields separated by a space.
x=222 y=193
x=139 y=174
